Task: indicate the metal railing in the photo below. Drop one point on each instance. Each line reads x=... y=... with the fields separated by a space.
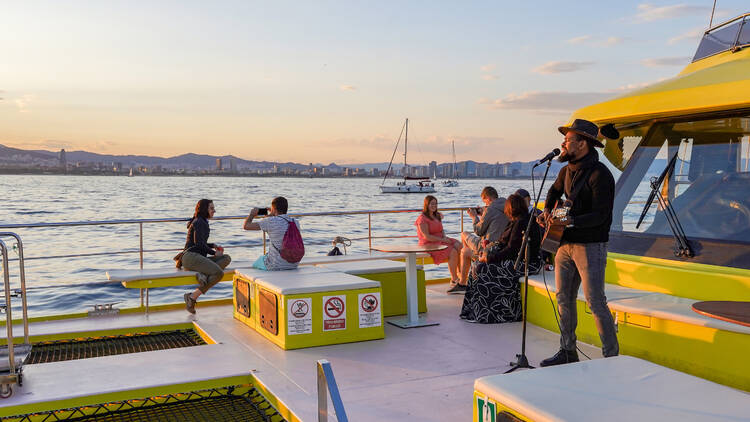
x=140 y=222
x=141 y=251
x=327 y=385
x=13 y=372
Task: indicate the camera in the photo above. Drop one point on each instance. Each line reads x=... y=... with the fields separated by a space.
x=262 y=211
x=479 y=210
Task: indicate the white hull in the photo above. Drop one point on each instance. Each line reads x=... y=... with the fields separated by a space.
x=407 y=189
x=450 y=183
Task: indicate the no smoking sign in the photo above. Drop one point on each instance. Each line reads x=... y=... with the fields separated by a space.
x=334 y=313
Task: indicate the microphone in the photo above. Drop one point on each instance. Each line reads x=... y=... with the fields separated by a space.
x=555 y=152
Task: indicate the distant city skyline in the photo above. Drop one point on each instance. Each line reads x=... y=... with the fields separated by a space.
x=328 y=81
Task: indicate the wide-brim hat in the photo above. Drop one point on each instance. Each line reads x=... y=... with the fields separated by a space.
x=584 y=128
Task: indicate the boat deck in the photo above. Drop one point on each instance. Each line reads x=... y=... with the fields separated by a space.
x=416 y=374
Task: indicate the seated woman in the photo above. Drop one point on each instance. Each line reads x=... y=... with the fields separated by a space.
x=494 y=294
x=430 y=230
x=195 y=256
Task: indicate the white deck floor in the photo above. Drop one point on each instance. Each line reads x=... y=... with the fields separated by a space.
x=419 y=374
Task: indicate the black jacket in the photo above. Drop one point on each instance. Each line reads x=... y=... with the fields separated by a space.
x=591 y=210
x=510 y=241
x=197 y=237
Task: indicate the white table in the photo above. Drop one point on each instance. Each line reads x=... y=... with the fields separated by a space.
x=412 y=319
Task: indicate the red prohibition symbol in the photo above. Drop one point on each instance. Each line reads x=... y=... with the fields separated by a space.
x=369 y=303
x=334 y=307
x=299 y=309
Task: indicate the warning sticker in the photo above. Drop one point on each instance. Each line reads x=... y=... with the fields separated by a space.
x=486 y=410
x=369 y=310
x=334 y=313
x=299 y=317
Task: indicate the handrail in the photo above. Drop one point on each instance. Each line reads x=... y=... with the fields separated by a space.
x=24 y=306
x=232 y=217
x=327 y=381
x=8 y=309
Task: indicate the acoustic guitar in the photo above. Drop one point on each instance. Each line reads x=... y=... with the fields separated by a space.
x=555 y=227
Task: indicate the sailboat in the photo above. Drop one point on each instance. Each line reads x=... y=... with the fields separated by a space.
x=409 y=184
x=452 y=183
x=131 y=172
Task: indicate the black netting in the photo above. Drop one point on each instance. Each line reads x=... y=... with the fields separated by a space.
x=61 y=350
x=221 y=404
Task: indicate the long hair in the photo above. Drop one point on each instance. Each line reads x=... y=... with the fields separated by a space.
x=201 y=208
x=426 y=208
x=515 y=207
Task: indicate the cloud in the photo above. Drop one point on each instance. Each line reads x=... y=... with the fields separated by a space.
x=610 y=41
x=561 y=67
x=547 y=102
x=23 y=103
x=487 y=72
x=579 y=40
x=693 y=35
x=348 y=88
x=649 y=13
x=666 y=61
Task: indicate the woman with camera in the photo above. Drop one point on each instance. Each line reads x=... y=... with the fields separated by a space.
x=195 y=256
x=494 y=294
x=430 y=230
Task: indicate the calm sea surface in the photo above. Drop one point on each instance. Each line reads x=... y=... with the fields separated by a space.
x=60 y=283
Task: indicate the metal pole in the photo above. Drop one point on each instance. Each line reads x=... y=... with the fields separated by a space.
x=322 y=393
x=264 y=243
x=711 y=22
x=369 y=229
x=140 y=225
x=8 y=314
x=24 y=306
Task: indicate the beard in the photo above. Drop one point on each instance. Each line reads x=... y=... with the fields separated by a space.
x=564 y=156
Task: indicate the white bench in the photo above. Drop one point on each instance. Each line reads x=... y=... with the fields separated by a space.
x=621 y=388
x=308 y=306
x=355 y=257
x=659 y=327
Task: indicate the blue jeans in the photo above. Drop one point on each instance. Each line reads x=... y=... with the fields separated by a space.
x=577 y=264
x=260 y=263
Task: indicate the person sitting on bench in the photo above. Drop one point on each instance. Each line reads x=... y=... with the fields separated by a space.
x=276 y=225
x=195 y=256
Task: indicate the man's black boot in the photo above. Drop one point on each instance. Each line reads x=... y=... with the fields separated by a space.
x=561 y=357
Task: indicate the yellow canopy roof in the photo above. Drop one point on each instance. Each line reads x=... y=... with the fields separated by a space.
x=717 y=83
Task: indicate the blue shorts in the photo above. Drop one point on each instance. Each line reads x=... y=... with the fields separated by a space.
x=260 y=263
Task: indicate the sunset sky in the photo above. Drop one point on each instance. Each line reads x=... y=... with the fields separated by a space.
x=323 y=81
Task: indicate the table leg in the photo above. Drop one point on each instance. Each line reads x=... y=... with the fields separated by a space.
x=412 y=298
x=412 y=306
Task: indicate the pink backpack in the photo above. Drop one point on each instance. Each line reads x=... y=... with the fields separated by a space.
x=292 y=247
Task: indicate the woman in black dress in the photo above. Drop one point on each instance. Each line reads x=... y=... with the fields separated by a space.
x=493 y=294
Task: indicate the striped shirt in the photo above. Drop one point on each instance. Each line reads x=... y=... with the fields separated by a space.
x=276 y=227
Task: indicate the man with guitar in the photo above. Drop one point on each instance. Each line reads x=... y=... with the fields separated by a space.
x=583 y=221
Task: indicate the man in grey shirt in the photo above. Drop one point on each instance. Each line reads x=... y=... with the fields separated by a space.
x=488 y=224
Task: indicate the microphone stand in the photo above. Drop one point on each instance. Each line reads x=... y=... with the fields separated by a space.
x=523 y=361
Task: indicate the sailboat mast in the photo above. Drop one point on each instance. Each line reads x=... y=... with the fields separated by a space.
x=406 y=140
x=453 y=144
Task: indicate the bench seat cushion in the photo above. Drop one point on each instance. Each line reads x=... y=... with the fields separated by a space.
x=621 y=388
x=124 y=276
x=662 y=306
x=306 y=280
x=376 y=266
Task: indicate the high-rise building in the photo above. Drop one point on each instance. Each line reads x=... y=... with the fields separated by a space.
x=218 y=164
x=63 y=160
x=433 y=169
x=233 y=165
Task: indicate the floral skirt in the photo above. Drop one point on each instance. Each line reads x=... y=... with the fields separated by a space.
x=493 y=294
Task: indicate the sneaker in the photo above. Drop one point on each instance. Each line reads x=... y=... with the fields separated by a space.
x=189 y=303
x=457 y=289
x=561 y=357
